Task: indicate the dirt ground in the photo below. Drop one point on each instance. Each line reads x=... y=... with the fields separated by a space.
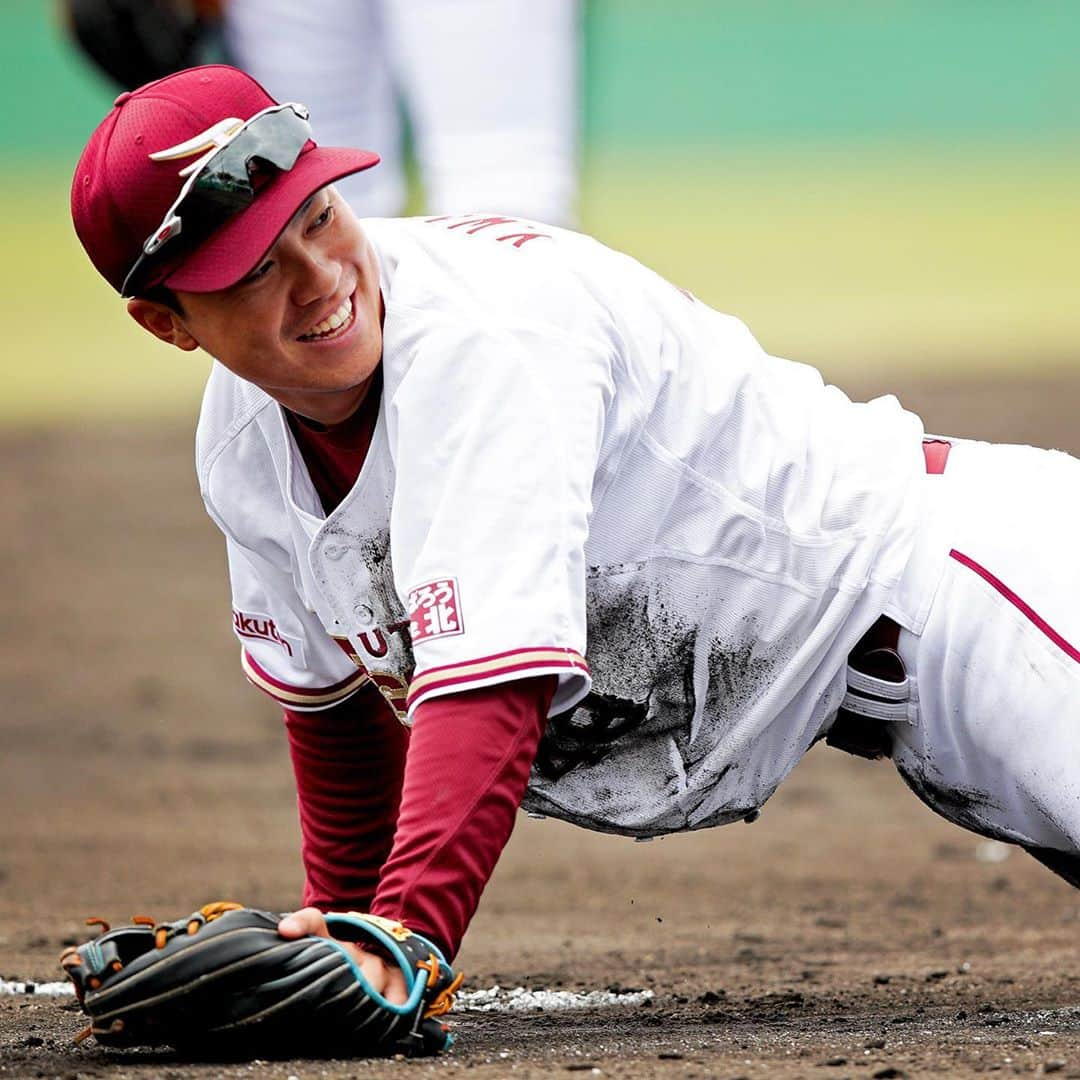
x=848 y=932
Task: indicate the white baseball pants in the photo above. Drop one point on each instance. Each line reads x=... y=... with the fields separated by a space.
x=995 y=740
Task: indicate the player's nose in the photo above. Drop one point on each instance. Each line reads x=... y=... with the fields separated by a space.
x=314 y=273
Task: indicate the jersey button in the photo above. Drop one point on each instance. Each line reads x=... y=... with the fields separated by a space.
x=121 y=98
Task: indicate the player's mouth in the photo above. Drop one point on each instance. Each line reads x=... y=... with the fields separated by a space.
x=336 y=325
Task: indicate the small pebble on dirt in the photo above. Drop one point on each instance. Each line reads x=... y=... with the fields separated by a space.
x=874 y=1044
x=748 y=938
x=890 y=1072
x=1053 y=1066
x=882 y=980
x=670 y=1055
x=834 y=1061
x=991 y=851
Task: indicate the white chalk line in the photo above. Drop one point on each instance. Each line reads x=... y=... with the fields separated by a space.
x=496 y=999
x=493 y=999
x=53 y=989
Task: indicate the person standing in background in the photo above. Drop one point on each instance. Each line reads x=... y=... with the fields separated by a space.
x=490 y=89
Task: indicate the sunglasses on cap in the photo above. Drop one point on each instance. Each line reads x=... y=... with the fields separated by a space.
x=222 y=182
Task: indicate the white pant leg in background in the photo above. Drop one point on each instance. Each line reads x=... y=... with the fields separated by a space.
x=492 y=91
x=491 y=88
x=331 y=56
x=996 y=742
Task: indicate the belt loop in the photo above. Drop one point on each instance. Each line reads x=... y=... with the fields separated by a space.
x=936 y=453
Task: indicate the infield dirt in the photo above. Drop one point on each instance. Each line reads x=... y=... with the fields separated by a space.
x=848 y=932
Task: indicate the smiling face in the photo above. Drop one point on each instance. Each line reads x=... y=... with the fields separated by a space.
x=305 y=325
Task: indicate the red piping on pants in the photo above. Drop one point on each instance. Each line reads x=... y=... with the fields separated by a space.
x=1015 y=600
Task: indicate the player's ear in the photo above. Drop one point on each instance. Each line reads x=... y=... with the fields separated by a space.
x=162 y=322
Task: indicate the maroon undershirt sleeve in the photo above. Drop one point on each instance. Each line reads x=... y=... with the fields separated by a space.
x=468 y=764
x=465 y=772
x=348 y=761
x=465 y=768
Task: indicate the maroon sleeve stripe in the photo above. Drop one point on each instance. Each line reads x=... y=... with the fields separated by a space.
x=517 y=663
x=299 y=696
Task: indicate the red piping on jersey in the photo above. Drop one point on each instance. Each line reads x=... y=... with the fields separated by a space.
x=301 y=691
x=515 y=661
x=1015 y=600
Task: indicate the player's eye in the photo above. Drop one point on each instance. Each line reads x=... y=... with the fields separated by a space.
x=260 y=271
x=323 y=218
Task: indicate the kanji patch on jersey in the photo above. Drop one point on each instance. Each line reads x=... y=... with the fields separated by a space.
x=434 y=610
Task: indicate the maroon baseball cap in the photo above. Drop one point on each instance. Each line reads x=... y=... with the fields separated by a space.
x=119 y=195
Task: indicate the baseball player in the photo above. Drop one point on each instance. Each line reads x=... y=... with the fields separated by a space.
x=513 y=521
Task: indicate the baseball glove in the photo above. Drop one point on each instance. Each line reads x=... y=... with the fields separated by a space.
x=137 y=41
x=224 y=982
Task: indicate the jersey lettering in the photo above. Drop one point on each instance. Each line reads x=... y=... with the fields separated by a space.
x=375 y=644
x=394 y=690
x=474 y=223
x=248 y=625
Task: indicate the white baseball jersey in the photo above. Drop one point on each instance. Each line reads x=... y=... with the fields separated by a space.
x=577 y=469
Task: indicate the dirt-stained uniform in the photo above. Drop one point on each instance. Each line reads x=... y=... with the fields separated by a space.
x=577 y=470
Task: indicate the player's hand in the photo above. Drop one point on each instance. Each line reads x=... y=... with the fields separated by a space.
x=384 y=979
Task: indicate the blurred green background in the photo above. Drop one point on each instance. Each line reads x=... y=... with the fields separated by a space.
x=873 y=186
